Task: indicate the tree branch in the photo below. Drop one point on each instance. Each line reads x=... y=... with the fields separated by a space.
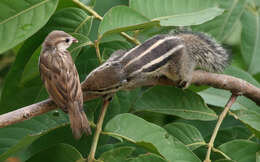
x=221 y=81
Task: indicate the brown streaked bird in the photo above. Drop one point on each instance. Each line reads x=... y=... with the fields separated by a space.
x=61 y=79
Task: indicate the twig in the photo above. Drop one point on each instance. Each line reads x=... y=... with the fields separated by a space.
x=220 y=81
x=220 y=120
x=91 y=157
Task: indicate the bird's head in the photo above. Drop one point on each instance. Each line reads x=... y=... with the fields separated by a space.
x=59 y=40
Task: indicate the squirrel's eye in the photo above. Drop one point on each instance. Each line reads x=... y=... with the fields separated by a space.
x=67 y=40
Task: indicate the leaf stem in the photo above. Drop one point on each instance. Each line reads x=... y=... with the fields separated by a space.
x=222 y=153
x=230 y=102
x=91 y=157
x=196 y=143
x=87 y=8
x=96 y=44
x=130 y=39
x=252 y=136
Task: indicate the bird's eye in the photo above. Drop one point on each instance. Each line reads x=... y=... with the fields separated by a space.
x=67 y=40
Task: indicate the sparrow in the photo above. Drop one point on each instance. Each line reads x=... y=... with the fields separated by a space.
x=61 y=80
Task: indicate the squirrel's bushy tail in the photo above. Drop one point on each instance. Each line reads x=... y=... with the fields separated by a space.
x=78 y=120
x=205 y=51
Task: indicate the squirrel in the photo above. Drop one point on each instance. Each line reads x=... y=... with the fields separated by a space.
x=174 y=56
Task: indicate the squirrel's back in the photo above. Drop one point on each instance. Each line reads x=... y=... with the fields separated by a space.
x=204 y=50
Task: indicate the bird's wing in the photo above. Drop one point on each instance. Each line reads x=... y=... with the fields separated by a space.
x=54 y=77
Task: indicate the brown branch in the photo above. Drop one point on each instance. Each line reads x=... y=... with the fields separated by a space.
x=221 y=81
x=230 y=102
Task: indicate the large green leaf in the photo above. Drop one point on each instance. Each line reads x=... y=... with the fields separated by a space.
x=150 y=136
x=60 y=152
x=258 y=156
x=19 y=21
x=224 y=160
x=192 y=18
x=222 y=26
x=122 y=103
x=177 y=13
x=123 y=153
x=187 y=134
x=117 y=155
x=122 y=18
x=61 y=134
x=16 y=137
x=147 y=157
x=23 y=83
x=250 y=40
x=174 y=101
x=240 y=150
x=69 y=3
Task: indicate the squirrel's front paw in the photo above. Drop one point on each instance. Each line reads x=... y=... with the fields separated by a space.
x=183 y=84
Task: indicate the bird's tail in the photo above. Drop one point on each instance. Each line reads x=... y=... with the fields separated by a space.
x=78 y=120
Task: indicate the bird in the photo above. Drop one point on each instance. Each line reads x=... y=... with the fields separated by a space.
x=61 y=79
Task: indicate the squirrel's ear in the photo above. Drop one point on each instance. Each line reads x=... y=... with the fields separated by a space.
x=116 y=63
x=116 y=55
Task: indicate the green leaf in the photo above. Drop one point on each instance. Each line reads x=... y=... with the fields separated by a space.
x=177 y=13
x=240 y=150
x=23 y=82
x=174 y=101
x=122 y=103
x=150 y=136
x=258 y=156
x=16 y=137
x=61 y=134
x=21 y=20
x=71 y=20
x=250 y=40
x=89 y=3
x=187 y=134
x=192 y=18
x=147 y=158
x=69 y=3
x=117 y=155
x=222 y=26
x=122 y=18
x=60 y=152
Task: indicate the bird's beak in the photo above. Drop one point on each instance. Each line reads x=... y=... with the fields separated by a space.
x=74 y=40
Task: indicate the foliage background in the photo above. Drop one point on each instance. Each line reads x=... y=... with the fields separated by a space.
x=146 y=124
